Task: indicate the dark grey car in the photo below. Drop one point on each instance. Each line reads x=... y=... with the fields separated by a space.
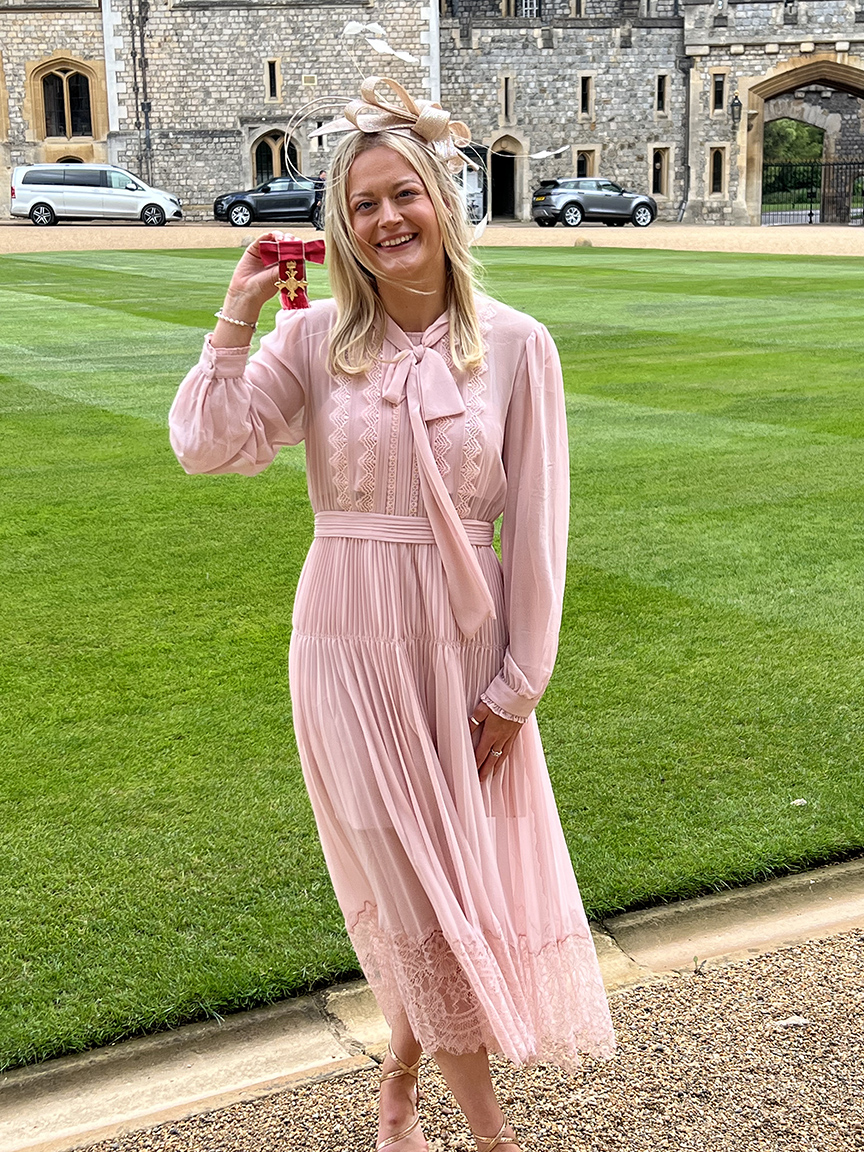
x=590 y=198
x=281 y=198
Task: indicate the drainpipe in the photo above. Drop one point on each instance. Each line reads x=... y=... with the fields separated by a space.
x=684 y=64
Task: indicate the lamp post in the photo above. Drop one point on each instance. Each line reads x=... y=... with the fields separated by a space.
x=735 y=109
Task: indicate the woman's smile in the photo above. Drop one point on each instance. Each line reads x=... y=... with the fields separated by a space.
x=394 y=221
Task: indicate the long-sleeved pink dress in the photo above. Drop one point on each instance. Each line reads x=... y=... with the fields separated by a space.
x=459 y=897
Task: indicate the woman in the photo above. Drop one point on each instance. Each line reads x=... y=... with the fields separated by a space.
x=416 y=661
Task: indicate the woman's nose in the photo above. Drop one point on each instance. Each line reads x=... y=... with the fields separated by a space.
x=390 y=213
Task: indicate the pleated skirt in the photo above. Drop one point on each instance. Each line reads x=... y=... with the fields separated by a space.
x=459 y=897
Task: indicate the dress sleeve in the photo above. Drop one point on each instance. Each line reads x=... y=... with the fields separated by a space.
x=230 y=416
x=534 y=529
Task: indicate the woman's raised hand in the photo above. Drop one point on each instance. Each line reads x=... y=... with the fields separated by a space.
x=252 y=280
x=252 y=285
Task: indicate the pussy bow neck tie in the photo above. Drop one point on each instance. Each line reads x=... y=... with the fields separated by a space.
x=421 y=375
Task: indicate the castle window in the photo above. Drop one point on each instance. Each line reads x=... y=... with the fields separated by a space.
x=586 y=96
x=66 y=99
x=529 y=9
x=718 y=92
x=717 y=170
x=273 y=80
x=662 y=95
x=577 y=9
x=660 y=172
x=508 y=99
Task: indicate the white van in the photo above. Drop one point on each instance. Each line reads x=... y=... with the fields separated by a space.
x=51 y=192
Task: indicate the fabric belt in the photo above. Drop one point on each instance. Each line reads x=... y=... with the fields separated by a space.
x=396 y=529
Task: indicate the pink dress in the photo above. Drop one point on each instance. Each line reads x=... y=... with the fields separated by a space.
x=459 y=897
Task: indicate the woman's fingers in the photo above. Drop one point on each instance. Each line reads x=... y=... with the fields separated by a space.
x=493 y=737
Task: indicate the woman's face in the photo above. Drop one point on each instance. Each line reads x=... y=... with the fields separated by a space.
x=393 y=219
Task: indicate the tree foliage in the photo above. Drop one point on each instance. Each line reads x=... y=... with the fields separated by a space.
x=792 y=141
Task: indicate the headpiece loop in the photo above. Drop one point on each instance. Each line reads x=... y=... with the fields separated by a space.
x=428 y=122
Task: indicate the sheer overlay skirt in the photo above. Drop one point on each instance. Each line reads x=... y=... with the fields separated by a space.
x=459 y=898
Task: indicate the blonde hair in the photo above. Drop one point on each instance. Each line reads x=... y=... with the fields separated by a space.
x=357 y=335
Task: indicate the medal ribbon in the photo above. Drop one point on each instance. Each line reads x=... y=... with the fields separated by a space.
x=291 y=256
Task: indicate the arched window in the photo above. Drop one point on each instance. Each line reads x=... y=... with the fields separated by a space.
x=66 y=99
x=717 y=159
x=263 y=162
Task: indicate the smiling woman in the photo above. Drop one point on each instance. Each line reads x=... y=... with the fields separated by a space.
x=417 y=659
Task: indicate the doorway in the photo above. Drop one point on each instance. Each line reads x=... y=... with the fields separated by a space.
x=503 y=179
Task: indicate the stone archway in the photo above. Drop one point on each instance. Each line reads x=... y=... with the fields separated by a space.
x=796 y=73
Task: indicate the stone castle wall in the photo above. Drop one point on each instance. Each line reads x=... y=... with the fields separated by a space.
x=519 y=83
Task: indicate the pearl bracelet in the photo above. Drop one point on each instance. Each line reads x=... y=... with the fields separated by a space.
x=220 y=315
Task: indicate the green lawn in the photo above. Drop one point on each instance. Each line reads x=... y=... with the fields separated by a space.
x=158 y=858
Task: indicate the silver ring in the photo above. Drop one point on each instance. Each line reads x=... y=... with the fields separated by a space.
x=473 y=720
x=492 y=752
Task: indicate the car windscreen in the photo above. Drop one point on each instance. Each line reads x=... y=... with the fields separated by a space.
x=43 y=176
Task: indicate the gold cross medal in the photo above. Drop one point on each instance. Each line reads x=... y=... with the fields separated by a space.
x=290 y=257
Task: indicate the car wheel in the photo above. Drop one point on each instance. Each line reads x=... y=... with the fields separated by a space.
x=614 y=223
x=642 y=216
x=153 y=215
x=240 y=215
x=572 y=216
x=43 y=214
x=545 y=222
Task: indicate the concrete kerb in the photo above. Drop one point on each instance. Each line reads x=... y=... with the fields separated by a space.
x=74 y=1101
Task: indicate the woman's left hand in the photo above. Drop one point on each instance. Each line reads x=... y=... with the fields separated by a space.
x=491 y=734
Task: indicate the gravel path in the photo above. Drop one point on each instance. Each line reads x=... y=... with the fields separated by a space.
x=793 y=239
x=758 y=1056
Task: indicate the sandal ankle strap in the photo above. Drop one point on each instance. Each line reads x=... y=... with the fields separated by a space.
x=497 y=1140
x=402 y=1068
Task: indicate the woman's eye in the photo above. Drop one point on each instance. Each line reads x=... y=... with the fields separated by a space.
x=363 y=205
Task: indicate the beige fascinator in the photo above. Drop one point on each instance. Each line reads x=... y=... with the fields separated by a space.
x=429 y=124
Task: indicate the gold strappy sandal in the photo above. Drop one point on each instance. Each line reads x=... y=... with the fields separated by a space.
x=497 y=1140
x=403 y=1069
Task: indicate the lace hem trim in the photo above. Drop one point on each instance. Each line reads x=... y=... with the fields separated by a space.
x=550 y=1004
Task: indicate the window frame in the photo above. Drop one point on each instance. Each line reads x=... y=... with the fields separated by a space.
x=34 y=106
x=723 y=192
x=663 y=112
x=506 y=99
x=273 y=79
x=63 y=73
x=721 y=75
x=587 y=85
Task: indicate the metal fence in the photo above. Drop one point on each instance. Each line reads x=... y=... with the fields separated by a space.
x=813 y=193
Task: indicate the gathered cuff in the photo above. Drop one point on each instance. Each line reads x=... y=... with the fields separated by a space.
x=499 y=711
x=224 y=363
x=505 y=702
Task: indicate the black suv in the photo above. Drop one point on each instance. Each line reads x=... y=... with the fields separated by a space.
x=282 y=198
x=590 y=198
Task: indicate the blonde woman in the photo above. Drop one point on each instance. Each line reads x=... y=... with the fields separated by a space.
x=417 y=659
